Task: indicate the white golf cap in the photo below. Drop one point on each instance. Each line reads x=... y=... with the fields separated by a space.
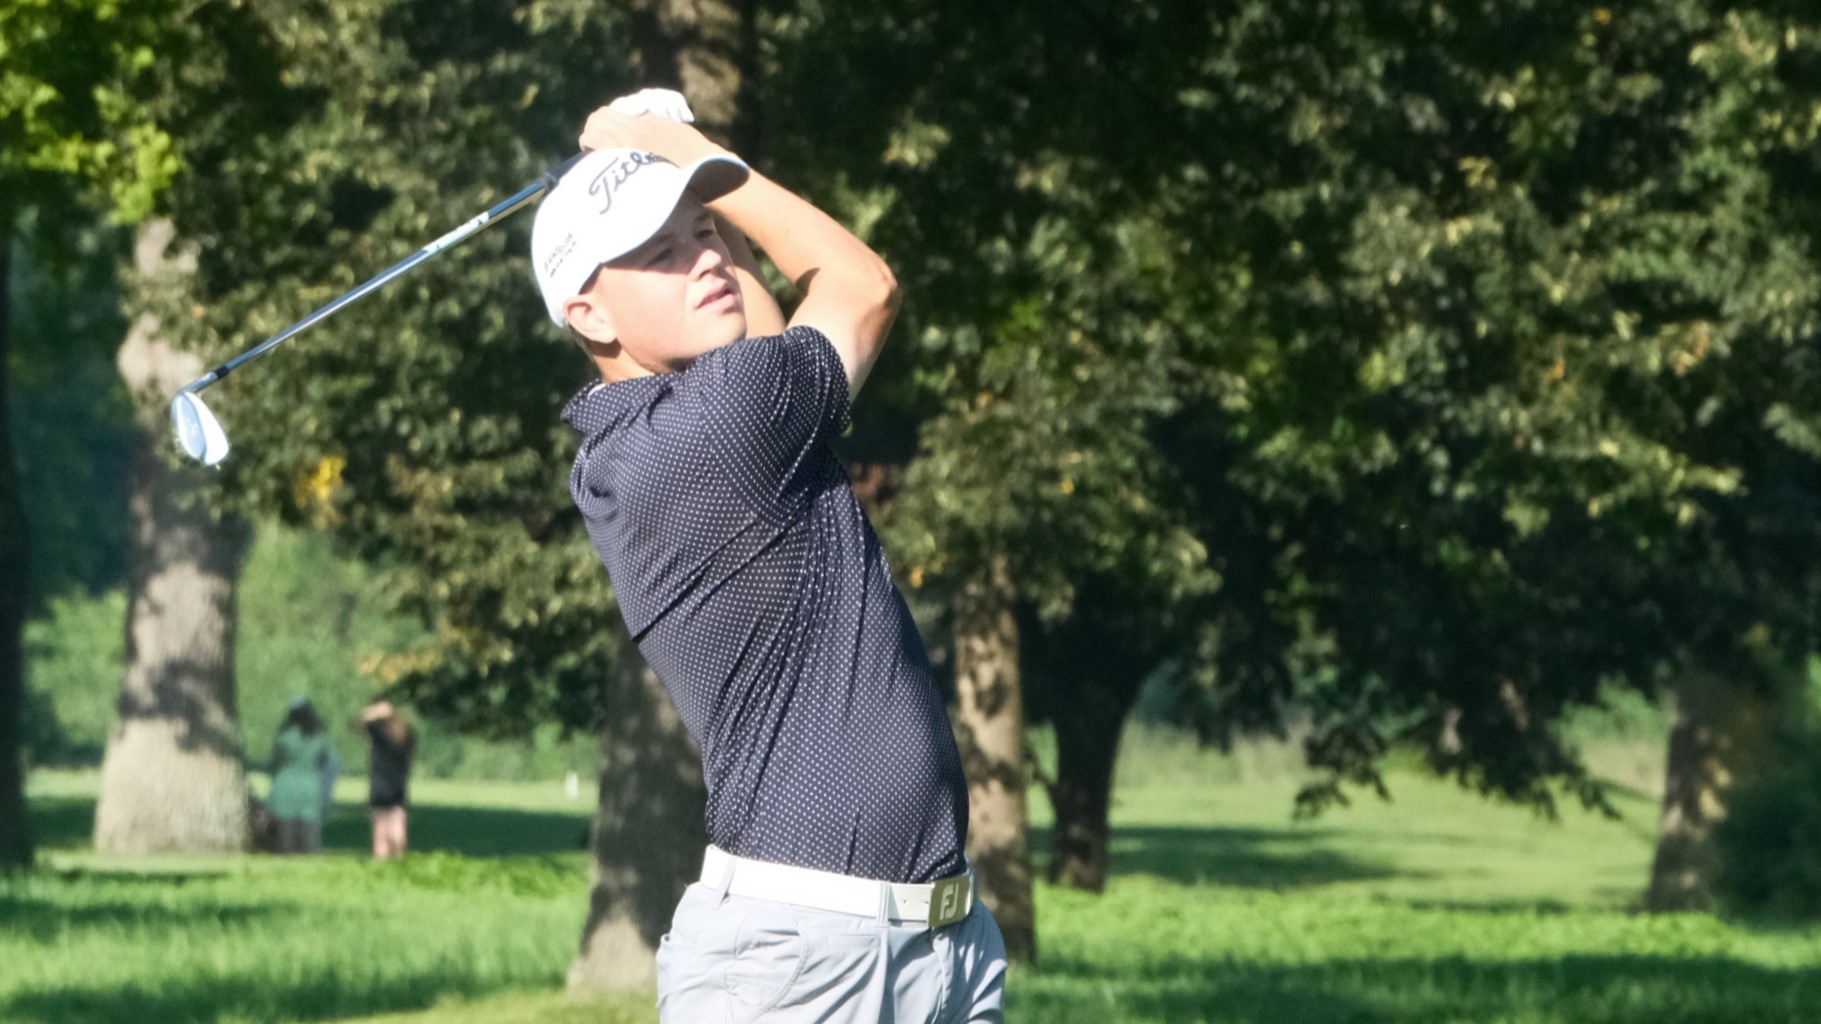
x=608 y=205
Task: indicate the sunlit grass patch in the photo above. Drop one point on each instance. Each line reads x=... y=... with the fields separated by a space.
x=1435 y=908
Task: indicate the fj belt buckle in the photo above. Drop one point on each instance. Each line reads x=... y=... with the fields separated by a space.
x=949 y=900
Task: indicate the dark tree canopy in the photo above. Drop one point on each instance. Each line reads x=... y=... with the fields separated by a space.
x=1416 y=369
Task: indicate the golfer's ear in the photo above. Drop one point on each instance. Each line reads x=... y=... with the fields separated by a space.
x=589 y=316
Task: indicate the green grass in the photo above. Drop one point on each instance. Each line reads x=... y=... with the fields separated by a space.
x=493 y=902
x=1434 y=908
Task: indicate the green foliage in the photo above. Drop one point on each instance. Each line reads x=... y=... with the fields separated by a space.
x=1469 y=351
x=307 y=622
x=1419 y=371
x=72 y=91
x=422 y=428
x=74 y=659
x=70 y=412
x=310 y=623
x=1769 y=843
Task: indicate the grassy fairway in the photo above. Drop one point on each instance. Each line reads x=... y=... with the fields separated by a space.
x=1436 y=908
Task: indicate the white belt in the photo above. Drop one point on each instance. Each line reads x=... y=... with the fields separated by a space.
x=933 y=904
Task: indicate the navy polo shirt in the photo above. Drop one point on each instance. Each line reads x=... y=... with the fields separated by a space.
x=757 y=591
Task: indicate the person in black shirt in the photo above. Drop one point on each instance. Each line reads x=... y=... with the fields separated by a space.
x=394 y=743
x=834 y=886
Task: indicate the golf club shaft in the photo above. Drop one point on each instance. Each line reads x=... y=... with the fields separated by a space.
x=505 y=207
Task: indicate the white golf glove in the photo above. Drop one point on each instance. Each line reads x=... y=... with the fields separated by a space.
x=657 y=102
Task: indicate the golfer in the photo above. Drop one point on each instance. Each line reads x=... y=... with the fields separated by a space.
x=834 y=887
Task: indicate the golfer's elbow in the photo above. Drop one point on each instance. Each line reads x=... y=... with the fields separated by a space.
x=876 y=288
x=870 y=296
x=892 y=293
x=882 y=297
x=869 y=291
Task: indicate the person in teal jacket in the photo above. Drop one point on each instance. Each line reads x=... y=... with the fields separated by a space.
x=298 y=755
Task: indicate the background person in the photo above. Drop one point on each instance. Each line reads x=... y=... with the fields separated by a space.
x=295 y=802
x=394 y=744
x=326 y=777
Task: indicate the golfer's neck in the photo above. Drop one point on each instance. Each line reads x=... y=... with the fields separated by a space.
x=621 y=367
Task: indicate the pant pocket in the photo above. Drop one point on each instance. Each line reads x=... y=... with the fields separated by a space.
x=790 y=976
x=762 y=971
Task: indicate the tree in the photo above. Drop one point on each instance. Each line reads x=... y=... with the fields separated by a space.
x=652 y=797
x=1486 y=380
x=173 y=779
x=989 y=727
x=421 y=430
x=1527 y=406
x=1450 y=365
x=649 y=821
x=69 y=109
x=15 y=834
x=1085 y=674
x=1029 y=381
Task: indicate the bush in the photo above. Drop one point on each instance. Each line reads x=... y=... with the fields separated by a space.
x=1770 y=842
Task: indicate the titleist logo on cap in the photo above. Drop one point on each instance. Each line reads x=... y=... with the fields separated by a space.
x=615 y=174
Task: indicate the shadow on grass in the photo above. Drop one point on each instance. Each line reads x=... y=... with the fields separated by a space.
x=470 y=831
x=65 y=823
x=1250 y=858
x=204 y=1001
x=61 y=823
x=49 y=920
x=1611 y=989
x=1489 y=908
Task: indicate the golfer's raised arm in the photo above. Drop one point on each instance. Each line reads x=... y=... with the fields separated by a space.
x=849 y=294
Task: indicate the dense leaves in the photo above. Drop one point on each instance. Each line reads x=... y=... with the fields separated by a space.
x=1411 y=369
x=72 y=104
x=1469 y=350
x=421 y=426
x=73 y=125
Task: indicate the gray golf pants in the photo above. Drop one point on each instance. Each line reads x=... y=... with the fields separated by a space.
x=734 y=960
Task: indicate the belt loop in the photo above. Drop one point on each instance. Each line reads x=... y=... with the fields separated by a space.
x=885 y=903
x=725 y=882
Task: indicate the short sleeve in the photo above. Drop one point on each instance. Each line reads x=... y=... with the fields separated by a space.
x=770 y=403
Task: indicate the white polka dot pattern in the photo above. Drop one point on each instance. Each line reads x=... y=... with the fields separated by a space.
x=758 y=592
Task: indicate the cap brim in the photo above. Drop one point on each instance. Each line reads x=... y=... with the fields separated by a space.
x=712 y=177
x=706 y=180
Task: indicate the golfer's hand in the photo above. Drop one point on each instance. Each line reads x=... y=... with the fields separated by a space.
x=676 y=142
x=656 y=102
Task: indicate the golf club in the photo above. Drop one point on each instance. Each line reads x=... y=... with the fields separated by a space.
x=199 y=433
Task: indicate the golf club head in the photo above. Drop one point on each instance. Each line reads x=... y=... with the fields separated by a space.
x=199 y=433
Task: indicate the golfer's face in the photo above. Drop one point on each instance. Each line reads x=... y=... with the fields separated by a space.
x=674 y=297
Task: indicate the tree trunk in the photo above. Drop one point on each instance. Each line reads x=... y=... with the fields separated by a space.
x=705 y=49
x=1087 y=745
x=1717 y=732
x=648 y=831
x=15 y=827
x=172 y=779
x=990 y=728
x=648 y=834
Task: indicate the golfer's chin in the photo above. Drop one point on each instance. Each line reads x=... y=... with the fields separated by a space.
x=700 y=335
x=714 y=329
